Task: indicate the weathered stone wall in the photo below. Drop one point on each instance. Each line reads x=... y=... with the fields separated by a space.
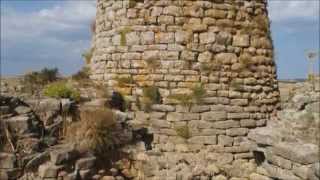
x=223 y=46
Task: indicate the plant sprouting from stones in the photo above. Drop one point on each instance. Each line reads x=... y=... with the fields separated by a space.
x=123 y=33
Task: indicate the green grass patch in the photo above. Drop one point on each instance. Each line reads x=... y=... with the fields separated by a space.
x=61 y=90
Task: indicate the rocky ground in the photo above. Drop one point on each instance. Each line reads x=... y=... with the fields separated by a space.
x=33 y=147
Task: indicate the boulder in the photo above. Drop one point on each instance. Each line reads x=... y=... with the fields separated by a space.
x=22 y=109
x=20 y=124
x=49 y=170
x=62 y=154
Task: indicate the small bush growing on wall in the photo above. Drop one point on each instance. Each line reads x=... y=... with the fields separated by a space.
x=151 y=95
x=196 y=96
x=198 y=92
x=94 y=131
x=61 y=90
x=183 y=131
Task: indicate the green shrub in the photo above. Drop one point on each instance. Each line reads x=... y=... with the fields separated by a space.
x=42 y=77
x=198 y=92
x=83 y=74
x=152 y=93
x=34 y=81
x=183 y=131
x=61 y=90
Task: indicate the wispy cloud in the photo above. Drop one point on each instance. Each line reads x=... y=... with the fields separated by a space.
x=55 y=35
x=286 y=10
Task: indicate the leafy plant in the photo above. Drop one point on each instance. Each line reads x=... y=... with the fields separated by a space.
x=33 y=81
x=198 y=92
x=61 y=90
x=151 y=95
x=94 y=132
x=87 y=55
x=183 y=131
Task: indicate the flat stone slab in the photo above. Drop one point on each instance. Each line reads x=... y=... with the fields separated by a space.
x=265 y=136
x=301 y=153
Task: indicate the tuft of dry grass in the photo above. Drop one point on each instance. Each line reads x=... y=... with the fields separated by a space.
x=94 y=130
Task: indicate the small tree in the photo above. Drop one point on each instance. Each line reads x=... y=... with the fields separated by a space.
x=311 y=56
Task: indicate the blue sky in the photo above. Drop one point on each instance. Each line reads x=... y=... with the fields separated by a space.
x=54 y=33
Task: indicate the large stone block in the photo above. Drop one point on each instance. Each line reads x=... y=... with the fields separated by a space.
x=226 y=124
x=241 y=40
x=203 y=140
x=214 y=116
x=297 y=152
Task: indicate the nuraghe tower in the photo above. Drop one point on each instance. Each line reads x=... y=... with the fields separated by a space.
x=211 y=61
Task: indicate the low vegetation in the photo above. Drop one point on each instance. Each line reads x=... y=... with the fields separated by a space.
x=151 y=95
x=123 y=33
x=183 y=131
x=94 y=131
x=34 y=80
x=196 y=96
x=83 y=74
x=61 y=90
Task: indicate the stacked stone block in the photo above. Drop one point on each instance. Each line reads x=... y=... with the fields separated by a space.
x=223 y=46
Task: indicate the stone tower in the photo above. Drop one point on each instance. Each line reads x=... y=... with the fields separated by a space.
x=198 y=74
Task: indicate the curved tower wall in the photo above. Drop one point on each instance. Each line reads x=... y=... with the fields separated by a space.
x=221 y=46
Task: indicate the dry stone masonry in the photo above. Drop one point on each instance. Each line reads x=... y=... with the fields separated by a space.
x=209 y=67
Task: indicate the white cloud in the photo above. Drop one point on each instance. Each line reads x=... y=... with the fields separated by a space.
x=284 y=10
x=56 y=35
